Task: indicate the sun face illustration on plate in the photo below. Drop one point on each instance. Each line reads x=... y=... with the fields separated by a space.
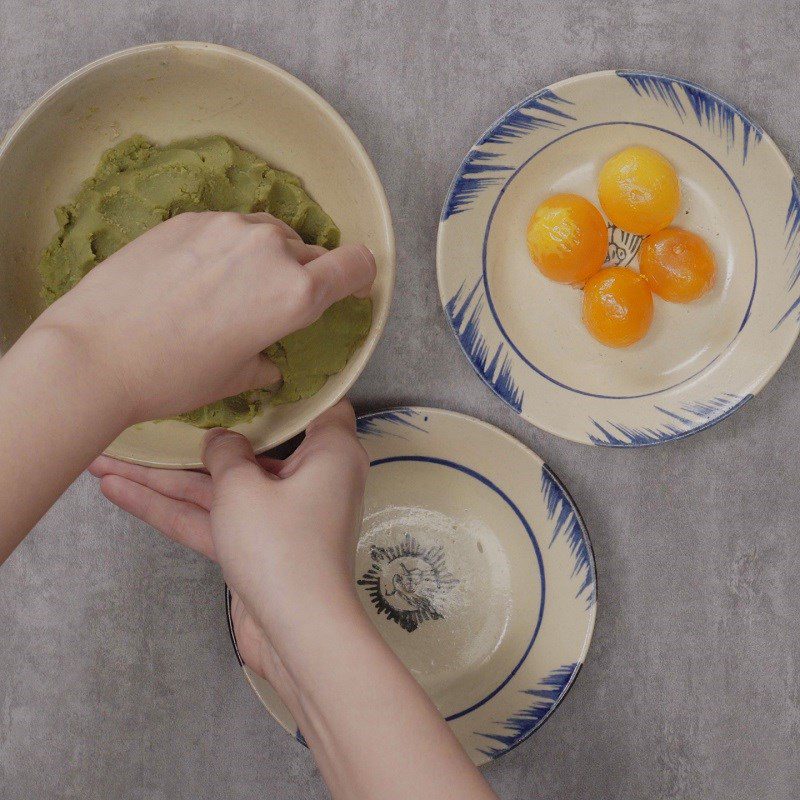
x=408 y=582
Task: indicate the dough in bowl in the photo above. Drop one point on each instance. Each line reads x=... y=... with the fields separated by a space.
x=138 y=184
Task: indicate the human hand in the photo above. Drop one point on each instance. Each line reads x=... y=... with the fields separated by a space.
x=178 y=317
x=284 y=532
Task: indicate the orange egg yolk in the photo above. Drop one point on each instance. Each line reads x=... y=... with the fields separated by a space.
x=617 y=306
x=678 y=265
x=567 y=238
x=639 y=190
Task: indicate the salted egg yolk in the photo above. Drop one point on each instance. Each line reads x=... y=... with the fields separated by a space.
x=617 y=306
x=678 y=265
x=567 y=238
x=639 y=190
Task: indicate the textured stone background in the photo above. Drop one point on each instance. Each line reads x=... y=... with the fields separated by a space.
x=117 y=678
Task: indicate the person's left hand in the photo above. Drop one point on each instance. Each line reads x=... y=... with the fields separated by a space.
x=283 y=531
x=178 y=505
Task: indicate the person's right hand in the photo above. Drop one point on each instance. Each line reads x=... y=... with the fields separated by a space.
x=178 y=317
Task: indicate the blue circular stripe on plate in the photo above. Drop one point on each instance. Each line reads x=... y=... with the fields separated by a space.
x=490 y=302
x=486 y=482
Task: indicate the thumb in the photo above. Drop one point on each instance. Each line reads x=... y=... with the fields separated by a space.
x=331 y=439
x=260 y=373
x=223 y=450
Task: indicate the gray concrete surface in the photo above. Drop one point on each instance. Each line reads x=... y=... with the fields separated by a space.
x=117 y=678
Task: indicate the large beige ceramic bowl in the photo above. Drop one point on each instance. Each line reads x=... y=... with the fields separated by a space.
x=165 y=91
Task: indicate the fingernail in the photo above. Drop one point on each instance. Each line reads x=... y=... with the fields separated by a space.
x=212 y=434
x=362 y=294
x=273 y=374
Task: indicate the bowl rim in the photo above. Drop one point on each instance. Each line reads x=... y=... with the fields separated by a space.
x=363 y=161
x=754 y=386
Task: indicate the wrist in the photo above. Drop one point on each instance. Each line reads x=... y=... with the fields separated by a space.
x=298 y=640
x=291 y=610
x=300 y=624
x=84 y=373
x=301 y=653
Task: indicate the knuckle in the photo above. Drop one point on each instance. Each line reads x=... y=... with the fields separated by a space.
x=306 y=296
x=266 y=217
x=235 y=220
x=273 y=231
x=220 y=222
x=267 y=235
x=200 y=217
x=184 y=221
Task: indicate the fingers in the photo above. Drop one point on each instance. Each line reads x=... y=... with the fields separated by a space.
x=295 y=245
x=334 y=274
x=262 y=217
x=194 y=487
x=260 y=373
x=304 y=252
x=180 y=521
x=331 y=436
x=224 y=451
x=349 y=269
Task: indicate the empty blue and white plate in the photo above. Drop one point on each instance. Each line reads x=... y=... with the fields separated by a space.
x=475 y=566
x=523 y=334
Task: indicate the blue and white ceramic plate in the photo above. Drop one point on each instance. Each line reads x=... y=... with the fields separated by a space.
x=475 y=566
x=523 y=334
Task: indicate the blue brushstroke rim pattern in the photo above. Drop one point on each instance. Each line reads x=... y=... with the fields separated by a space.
x=792 y=228
x=692 y=418
x=402 y=416
x=549 y=693
x=481 y=168
x=494 y=368
x=567 y=521
x=710 y=110
x=553 y=688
